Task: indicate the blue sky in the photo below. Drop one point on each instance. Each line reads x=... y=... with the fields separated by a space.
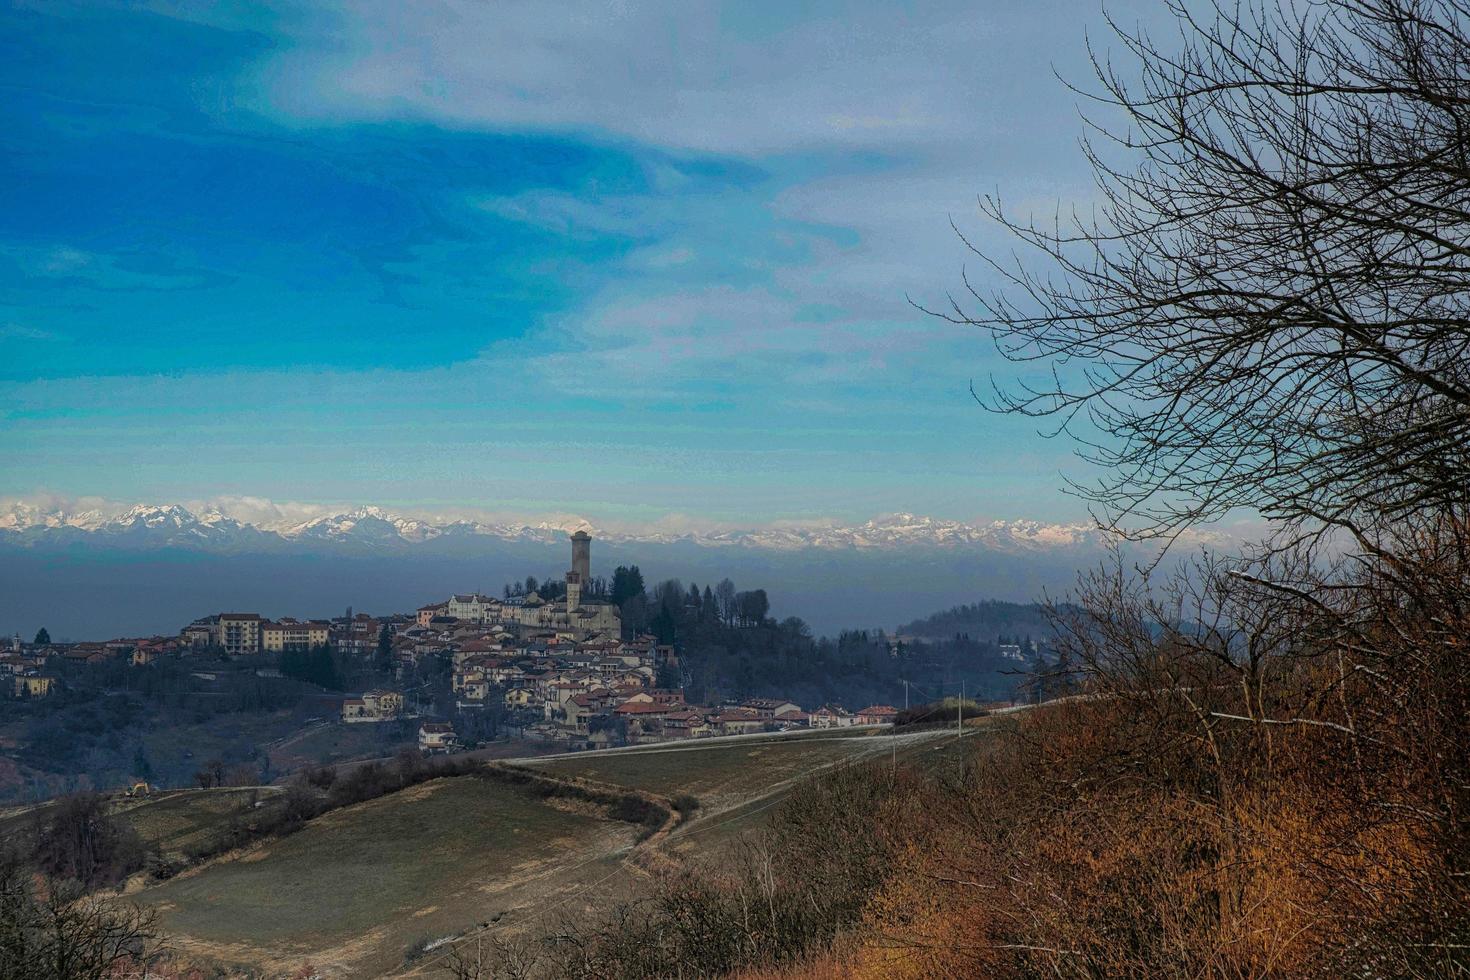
x=641 y=263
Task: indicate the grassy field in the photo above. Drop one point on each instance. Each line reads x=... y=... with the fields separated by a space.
x=178 y=821
x=351 y=891
x=17 y=821
x=720 y=772
x=170 y=821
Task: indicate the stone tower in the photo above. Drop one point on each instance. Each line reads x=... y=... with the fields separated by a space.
x=574 y=592
x=582 y=556
x=580 y=574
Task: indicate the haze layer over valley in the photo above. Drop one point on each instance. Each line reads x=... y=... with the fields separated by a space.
x=148 y=568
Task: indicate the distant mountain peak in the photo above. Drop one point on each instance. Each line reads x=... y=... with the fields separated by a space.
x=374 y=526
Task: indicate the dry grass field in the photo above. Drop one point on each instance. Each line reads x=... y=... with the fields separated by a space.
x=176 y=821
x=169 y=821
x=352 y=891
x=719 y=771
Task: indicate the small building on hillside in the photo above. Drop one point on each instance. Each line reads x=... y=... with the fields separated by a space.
x=373 y=706
x=739 y=721
x=877 y=714
x=520 y=697
x=427 y=614
x=200 y=633
x=239 y=633
x=686 y=724
x=770 y=707
x=292 y=635
x=86 y=653
x=437 y=736
x=33 y=685
x=830 y=716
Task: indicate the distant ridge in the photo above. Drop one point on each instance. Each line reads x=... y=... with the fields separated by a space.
x=983 y=620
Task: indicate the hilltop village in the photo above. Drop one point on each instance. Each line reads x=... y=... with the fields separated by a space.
x=550 y=662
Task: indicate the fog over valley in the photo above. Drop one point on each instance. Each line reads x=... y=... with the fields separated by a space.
x=88 y=574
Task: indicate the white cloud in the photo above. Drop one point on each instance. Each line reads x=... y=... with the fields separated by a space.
x=261 y=511
x=571 y=214
x=876 y=124
x=728 y=78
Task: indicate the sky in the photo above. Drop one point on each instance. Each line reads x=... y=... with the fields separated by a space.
x=637 y=262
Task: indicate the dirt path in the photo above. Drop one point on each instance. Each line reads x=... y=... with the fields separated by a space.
x=676 y=841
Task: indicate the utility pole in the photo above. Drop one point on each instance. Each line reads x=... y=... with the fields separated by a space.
x=894 y=733
x=959 y=730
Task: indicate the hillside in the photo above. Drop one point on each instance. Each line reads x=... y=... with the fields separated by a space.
x=171 y=822
x=434 y=860
x=421 y=863
x=984 y=621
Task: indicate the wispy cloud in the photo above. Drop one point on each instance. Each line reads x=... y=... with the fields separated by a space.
x=569 y=214
x=730 y=78
x=69 y=266
x=22 y=331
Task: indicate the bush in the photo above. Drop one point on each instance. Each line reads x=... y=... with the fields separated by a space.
x=938 y=713
x=416 y=950
x=632 y=809
x=322 y=777
x=81 y=842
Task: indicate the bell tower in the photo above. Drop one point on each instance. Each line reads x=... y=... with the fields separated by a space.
x=580 y=574
x=582 y=556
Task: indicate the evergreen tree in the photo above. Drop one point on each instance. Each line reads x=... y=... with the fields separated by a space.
x=627 y=582
x=385 y=648
x=663 y=626
x=142 y=768
x=43 y=636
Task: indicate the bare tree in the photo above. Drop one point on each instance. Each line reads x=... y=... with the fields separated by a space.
x=1270 y=307
x=79 y=840
x=55 y=932
x=485 y=956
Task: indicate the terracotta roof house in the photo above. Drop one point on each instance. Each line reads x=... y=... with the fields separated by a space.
x=877 y=714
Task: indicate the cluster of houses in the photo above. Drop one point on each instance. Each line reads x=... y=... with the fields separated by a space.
x=24 y=667
x=22 y=671
x=600 y=691
x=560 y=668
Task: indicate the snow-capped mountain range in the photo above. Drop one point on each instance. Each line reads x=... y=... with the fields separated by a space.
x=177 y=525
